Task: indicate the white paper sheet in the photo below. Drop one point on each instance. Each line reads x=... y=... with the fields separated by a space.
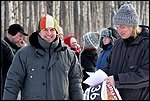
x=96 y=78
x=90 y=73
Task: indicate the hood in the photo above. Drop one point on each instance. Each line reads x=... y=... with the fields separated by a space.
x=145 y=30
x=33 y=39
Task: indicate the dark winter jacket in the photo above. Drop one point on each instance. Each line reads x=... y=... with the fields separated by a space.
x=129 y=63
x=45 y=71
x=13 y=46
x=6 y=60
x=88 y=62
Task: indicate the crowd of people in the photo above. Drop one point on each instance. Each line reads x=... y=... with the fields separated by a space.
x=53 y=67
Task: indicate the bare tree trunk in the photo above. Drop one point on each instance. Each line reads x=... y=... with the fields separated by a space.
x=71 y=21
x=27 y=16
x=36 y=15
x=81 y=18
x=3 y=27
x=17 y=6
x=101 y=21
x=89 y=18
x=43 y=10
x=56 y=12
x=76 y=13
x=7 y=18
x=20 y=12
x=49 y=7
x=147 y=13
x=106 y=13
x=11 y=13
x=142 y=13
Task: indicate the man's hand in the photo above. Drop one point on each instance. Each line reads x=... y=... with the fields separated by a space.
x=110 y=80
x=21 y=43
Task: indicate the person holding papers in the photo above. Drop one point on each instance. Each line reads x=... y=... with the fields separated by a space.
x=128 y=62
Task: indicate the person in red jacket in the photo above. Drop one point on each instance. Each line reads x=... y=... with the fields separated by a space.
x=72 y=43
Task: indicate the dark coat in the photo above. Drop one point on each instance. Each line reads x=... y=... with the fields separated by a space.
x=6 y=60
x=88 y=62
x=130 y=67
x=44 y=71
x=13 y=46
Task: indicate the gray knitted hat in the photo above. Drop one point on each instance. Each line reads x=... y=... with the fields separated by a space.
x=91 y=40
x=126 y=16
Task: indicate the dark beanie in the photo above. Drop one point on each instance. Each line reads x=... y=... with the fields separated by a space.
x=15 y=28
x=126 y=16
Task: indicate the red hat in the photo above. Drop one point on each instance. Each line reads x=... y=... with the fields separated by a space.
x=68 y=39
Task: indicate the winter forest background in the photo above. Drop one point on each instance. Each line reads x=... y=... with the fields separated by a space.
x=75 y=17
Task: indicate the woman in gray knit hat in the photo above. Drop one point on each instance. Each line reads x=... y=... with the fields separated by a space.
x=89 y=54
x=128 y=62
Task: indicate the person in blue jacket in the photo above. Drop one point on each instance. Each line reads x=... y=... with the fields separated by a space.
x=106 y=43
x=128 y=62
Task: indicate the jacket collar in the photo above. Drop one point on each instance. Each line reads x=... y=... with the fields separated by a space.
x=40 y=45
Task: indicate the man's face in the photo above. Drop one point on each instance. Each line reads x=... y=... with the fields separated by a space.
x=48 y=34
x=17 y=38
x=106 y=40
x=124 y=31
x=60 y=33
x=74 y=45
x=60 y=36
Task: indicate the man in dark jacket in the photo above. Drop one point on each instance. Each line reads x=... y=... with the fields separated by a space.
x=6 y=60
x=128 y=61
x=45 y=69
x=14 y=37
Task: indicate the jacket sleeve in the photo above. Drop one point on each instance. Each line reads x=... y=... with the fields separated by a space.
x=14 y=78
x=107 y=67
x=7 y=57
x=75 y=79
x=98 y=63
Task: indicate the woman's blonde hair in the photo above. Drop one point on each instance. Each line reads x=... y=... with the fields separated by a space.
x=135 y=31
